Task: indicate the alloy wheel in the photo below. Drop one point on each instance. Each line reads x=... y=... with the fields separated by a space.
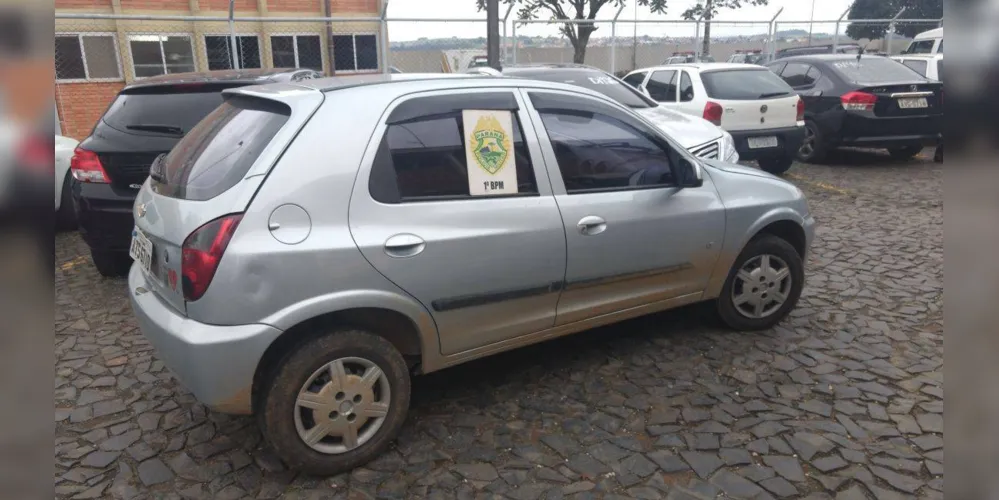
x=342 y=405
x=807 y=148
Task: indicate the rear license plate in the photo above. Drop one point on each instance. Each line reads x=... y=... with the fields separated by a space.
x=762 y=142
x=141 y=250
x=913 y=103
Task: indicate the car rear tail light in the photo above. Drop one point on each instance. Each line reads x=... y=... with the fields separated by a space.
x=86 y=167
x=202 y=252
x=36 y=153
x=713 y=113
x=801 y=109
x=858 y=101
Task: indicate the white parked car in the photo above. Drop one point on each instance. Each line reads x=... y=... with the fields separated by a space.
x=927 y=42
x=65 y=214
x=762 y=112
x=928 y=65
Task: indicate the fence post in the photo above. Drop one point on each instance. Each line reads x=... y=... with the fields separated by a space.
x=772 y=39
x=383 y=29
x=514 y=42
x=503 y=37
x=891 y=32
x=838 y=21
x=614 y=40
x=697 y=36
x=232 y=35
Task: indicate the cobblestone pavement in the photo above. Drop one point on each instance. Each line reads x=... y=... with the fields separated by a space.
x=843 y=400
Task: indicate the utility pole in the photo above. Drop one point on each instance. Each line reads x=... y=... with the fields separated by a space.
x=634 y=40
x=706 y=47
x=492 y=34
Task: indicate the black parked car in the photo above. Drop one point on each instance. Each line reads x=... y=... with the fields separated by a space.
x=811 y=50
x=870 y=101
x=146 y=119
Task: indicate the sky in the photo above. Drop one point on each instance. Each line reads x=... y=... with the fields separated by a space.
x=794 y=10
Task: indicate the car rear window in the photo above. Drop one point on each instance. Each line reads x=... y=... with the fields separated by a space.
x=216 y=154
x=159 y=111
x=874 y=70
x=742 y=84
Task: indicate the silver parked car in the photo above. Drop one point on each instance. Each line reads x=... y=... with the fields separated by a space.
x=308 y=246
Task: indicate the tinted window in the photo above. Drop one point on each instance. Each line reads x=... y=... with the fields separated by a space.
x=594 y=80
x=919 y=66
x=181 y=110
x=662 y=86
x=776 y=68
x=424 y=158
x=744 y=84
x=686 y=88
x=635 y=79
x=874 y=70
x=599 y=152
x=920 y=47
x=796 y=75
x=218 y=152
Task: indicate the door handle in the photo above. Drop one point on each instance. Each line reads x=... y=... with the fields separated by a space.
x=404 y=245
x=591 y=224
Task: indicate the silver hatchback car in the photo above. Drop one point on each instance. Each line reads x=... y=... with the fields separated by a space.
x=308 y=246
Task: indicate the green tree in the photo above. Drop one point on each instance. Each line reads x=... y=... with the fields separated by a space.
x=708 y=9
x=887 y=9
x=578 y=32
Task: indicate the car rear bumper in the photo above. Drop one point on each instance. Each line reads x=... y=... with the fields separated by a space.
x=105 y=216
x=216 y=363
x=788 y=141
x=893 y=141
x=886 y=132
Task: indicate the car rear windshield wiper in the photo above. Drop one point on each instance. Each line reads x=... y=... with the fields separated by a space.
x=151 y=127
x=772 y=94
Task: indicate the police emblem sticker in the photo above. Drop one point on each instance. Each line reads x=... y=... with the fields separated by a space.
x=491 y=164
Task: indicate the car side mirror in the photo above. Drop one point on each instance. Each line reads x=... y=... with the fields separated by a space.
x=691 y=175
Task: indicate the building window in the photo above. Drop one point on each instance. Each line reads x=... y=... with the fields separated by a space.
x=355 y=53
x=218 y=47
x=154 y=55
x=86 y=57
x=297 y=51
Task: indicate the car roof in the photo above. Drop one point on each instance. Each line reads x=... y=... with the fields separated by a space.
x=938 y=55
x=823 y=57
x=515 y=68
x=933 y=33
x=237 y=76
x=703 y=66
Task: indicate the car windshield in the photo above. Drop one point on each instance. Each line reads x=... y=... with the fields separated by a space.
x=594 y=80
x=743 y=84
x=874 y=70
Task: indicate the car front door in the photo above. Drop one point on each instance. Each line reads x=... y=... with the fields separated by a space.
x=437 y=211
x=633 y=237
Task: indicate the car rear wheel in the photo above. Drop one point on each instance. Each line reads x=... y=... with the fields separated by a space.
x=66 y=216
x=335 y=401
x=111 y=264
x=905 y=153
x=763 y=285
x=812 y=149
x=776 y=165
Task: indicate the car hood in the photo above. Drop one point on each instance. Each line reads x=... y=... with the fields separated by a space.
x=735 y=168
x=687 y=130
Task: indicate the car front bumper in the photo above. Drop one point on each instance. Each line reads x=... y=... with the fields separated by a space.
x=216 y=363
x=788 y=141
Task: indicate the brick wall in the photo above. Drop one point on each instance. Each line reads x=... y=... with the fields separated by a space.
x=312 y=7
x=80 y=105
x=82 y=4
x=241 y=5
x=350 y=6
x=183 y=5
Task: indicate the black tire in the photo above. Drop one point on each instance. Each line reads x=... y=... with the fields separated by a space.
x=66 y=216
x=275 y=410
x=938 y=154
x=813 y=148
x=776 y=165
x=905 y=153
x=762 y=245
x=111 y=264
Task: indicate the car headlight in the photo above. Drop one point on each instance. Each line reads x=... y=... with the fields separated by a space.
x=728 y=152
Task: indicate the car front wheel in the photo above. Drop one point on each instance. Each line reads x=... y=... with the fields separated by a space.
x=335 y=402
x=905 y=153
x=763 y=285
x=111 y=264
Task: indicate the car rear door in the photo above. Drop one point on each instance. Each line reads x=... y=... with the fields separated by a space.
x=662 y=87
x=752 y=98
x=213 y=172
x=469 y=229
x=634 y=238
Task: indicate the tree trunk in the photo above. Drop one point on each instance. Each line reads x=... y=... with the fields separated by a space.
x=706 y=46
x=579 y=47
